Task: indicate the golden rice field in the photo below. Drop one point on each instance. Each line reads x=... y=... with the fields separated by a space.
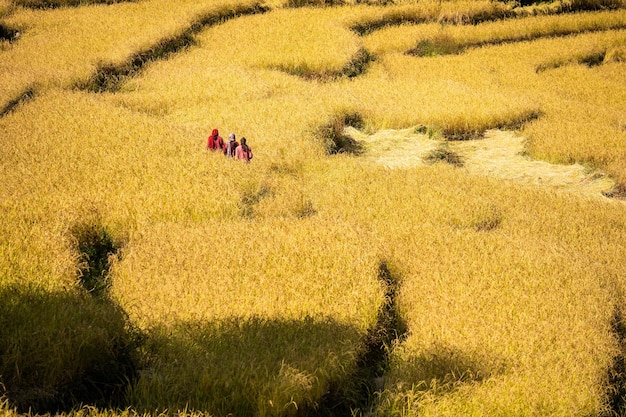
x=347 y=270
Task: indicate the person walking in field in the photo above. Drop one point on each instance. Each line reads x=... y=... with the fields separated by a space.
x=243 y=151
x=215 y=141
x=231 y=146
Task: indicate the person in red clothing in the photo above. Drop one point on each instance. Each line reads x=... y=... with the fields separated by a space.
x=243 y=151
x=210 y=143
x=215 y=141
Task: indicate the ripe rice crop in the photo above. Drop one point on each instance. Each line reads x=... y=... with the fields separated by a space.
x=113 y=33
x=405 y=38
x=444 y=368
x=533 y=28
x=43 y=4
x=259 y=289
x=6 y=7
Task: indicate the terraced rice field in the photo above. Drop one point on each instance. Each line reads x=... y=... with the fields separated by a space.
x=433 y=222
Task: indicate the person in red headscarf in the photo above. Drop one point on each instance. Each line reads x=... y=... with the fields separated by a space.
x=215 y=141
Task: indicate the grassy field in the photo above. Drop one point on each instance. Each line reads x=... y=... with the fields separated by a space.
x=348 y=269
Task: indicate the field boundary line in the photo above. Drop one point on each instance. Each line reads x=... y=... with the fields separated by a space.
x=109 y=77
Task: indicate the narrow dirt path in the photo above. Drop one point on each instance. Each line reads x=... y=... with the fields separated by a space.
x=500 y=154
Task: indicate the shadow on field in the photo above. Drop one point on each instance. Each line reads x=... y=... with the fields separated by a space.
x=442 y=369
x=356 y=66
x=618 y=192
x=245 y=366
x=11 y=105
x=616 y=374
x=357 y=394
x=261 y=366
x=435 y=372
x=62 y=349
x=8 y=34
x=394 y=17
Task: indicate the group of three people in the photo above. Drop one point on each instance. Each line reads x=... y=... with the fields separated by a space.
x=232 y=148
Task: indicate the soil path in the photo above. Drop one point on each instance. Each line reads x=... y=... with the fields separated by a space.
x=499 y=154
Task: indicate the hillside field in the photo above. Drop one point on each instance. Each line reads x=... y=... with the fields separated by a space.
x=433 y=222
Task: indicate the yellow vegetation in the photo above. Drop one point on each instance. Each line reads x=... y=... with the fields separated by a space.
x=404 y=37
x=52 y=51
x=252 y=287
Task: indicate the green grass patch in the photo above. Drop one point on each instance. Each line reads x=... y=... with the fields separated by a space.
x=590 y=59
x=333 y=137
x=358 y=64
x=440 y=45
x=443 y=153
x=313 y=3
x=95 y=246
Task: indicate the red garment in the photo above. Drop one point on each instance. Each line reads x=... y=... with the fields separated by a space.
x=219 y=143
x=241 y=154
x=215 y=141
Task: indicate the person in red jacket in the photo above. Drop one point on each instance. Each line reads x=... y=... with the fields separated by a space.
x=243 y=151
x=215 y=141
